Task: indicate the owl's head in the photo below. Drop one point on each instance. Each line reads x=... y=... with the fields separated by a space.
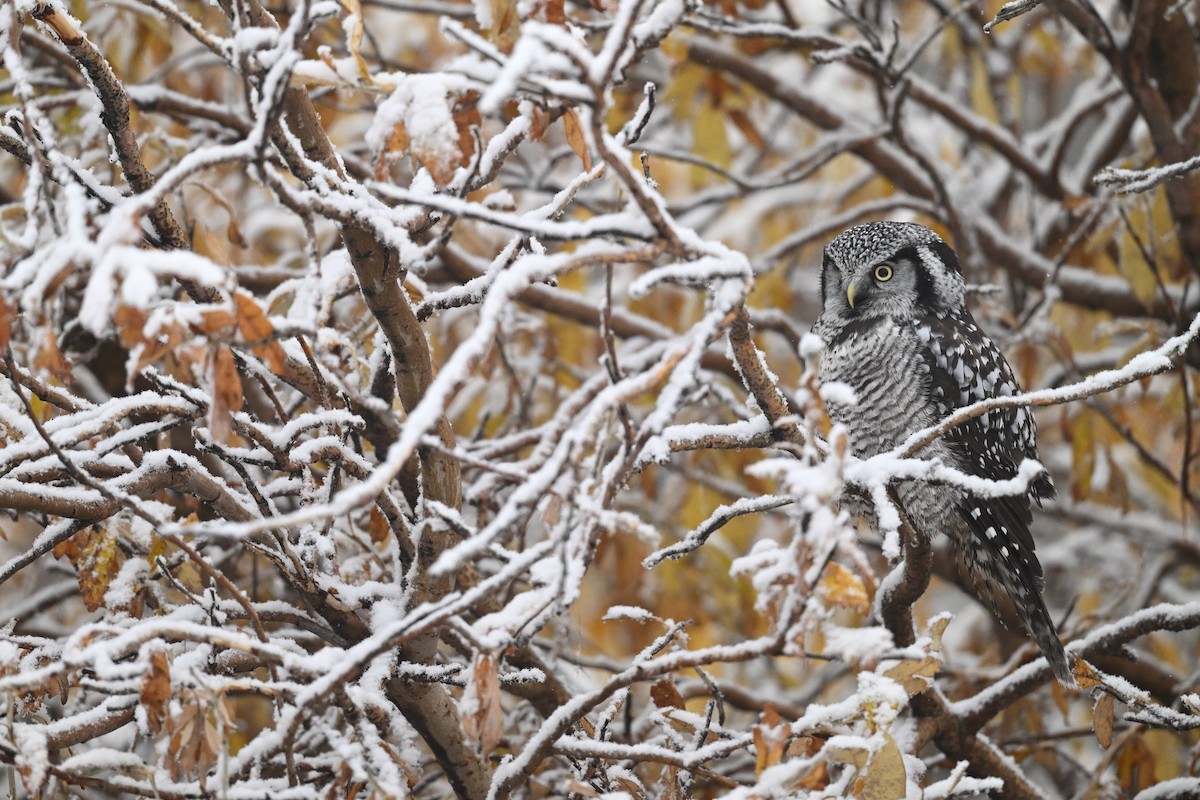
x=896 y=269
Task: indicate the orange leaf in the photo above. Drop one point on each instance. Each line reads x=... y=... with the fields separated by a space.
x=252 y=321
x=378 y=528
x=1085 y=675
x=50 y=358
x=482 y=719
x=156 y=691
x=8 y=315
x=258 y=331
x=770 y=740
x=214 y=321
x=227 y=393
x=575 y=137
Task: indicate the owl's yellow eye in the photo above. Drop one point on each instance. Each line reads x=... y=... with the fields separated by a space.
x=883 y=273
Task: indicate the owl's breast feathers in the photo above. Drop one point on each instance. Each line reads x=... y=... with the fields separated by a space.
x=877 y=358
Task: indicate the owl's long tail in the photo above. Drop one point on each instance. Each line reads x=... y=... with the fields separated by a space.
x=998 y=554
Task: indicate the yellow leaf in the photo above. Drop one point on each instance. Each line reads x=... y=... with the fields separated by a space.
x=98 y=565
x=1136 y=766
x=711 y=139
x=354 y=38
x=1083 y=460
x=915 y=676
x=1135 y=269
x=841 y=587
x=885 y=777
x=505 y=22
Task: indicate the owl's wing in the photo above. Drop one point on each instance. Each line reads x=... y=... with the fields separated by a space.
x=964 y=367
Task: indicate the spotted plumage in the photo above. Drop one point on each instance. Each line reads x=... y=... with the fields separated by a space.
x=897 y=331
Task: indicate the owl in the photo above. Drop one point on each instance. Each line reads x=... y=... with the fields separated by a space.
x=897 y=332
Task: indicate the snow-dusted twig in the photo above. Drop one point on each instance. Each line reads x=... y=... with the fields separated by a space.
x=1143 y=180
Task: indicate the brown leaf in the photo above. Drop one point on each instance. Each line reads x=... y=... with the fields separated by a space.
x=130 y=322
x=665 y=695
x=258 y=332
x=770 y=740
x=194 y=742
x=227 y=394
x=540 y=120
x=1102 y=720
x=49 y=357
x=746 y=126
x=378 y=528
x=1085 y=675
x=156 y=691
x=466 y=117
x=483 y=720
x=575 y=137
x=208 y=244
x=8 y=315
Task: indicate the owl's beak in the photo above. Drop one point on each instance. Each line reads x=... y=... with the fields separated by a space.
x=851 y=290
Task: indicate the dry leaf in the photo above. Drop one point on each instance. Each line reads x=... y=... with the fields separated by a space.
x=156 y=691
x=885 y=776
x=575 y=137
x=665 y=695
x=378 y=528
x=482 y=716
x=1085 y=675
x=770 y=740
x=1102 y=720
x=915 y=676
x=32 y=759
x=258 y=332
x=1136 y=766
x=194 y=742
x=49 y=357
x=841 y=587
x=539 y=121
x=8 y=315
x=227 y=394
x=98 y=564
